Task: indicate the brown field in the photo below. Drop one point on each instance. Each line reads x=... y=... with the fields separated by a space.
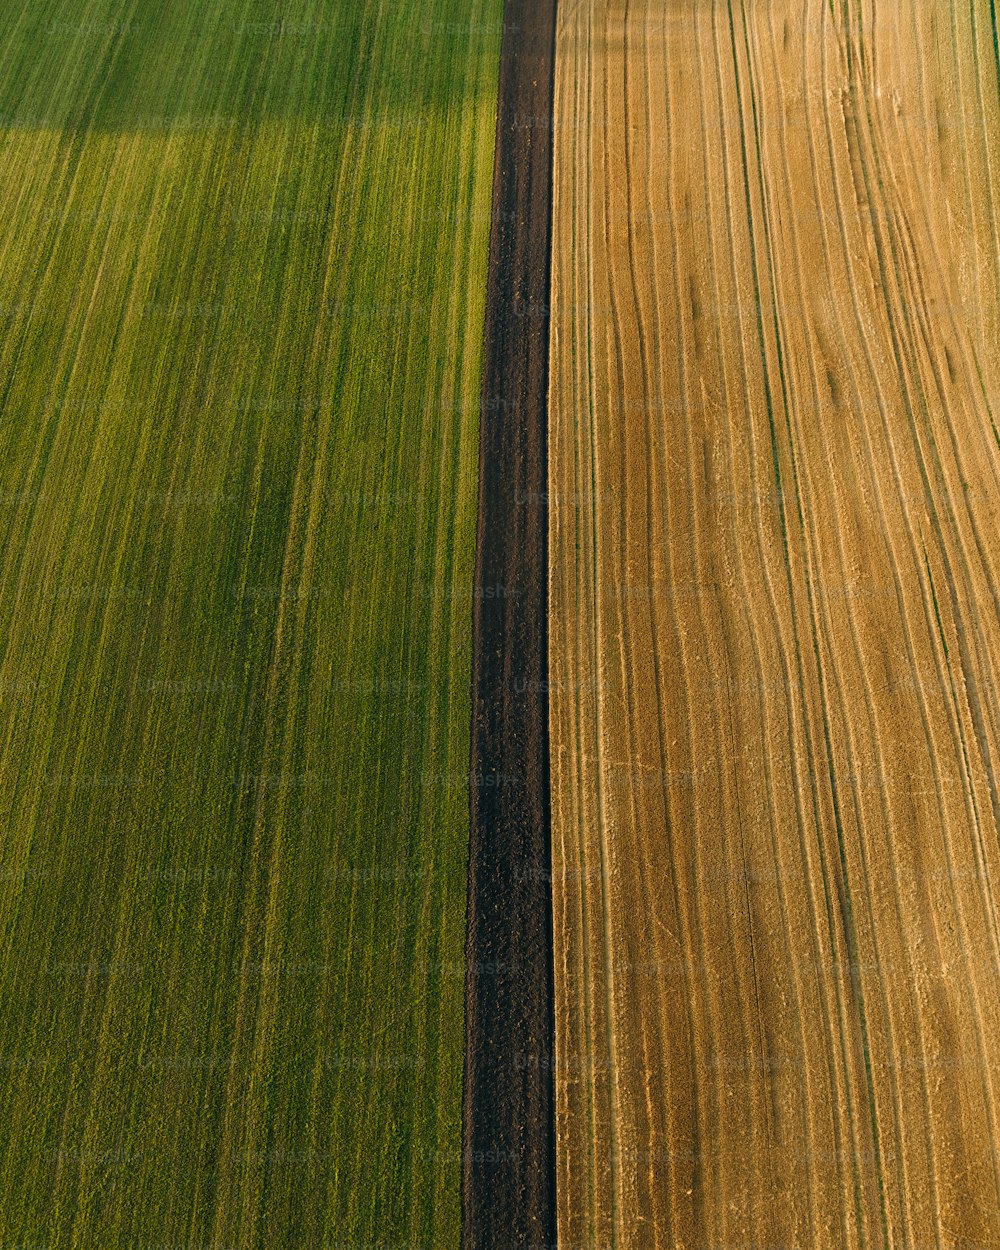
x=774 y=624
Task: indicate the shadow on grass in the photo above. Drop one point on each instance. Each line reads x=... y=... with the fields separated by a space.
x=127 y=65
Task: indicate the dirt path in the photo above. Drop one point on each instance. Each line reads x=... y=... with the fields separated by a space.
x=774 y=639
x=508 y=1139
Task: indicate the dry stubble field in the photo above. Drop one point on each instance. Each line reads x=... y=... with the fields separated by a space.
x=774 y=630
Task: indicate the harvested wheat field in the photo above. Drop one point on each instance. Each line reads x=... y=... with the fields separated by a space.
x=774 y=624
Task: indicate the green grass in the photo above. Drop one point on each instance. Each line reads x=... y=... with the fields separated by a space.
x=242 y=275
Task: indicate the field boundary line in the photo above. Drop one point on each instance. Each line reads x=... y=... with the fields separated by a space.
x=508 y=1110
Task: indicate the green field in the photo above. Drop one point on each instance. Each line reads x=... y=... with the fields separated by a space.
x=242 y=269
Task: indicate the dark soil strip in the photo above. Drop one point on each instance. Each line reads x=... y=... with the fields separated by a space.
x=508 y=1179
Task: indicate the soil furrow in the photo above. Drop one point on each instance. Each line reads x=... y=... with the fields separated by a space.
x=508 y=1172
